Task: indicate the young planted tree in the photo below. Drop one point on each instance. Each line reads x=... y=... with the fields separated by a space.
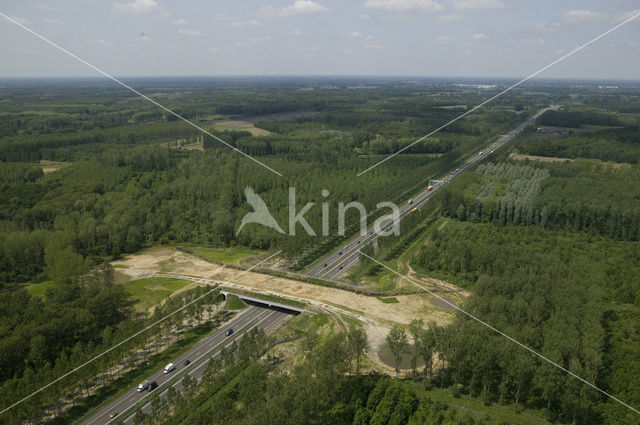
x=397 y=341
x=358 y=343
x=139 y=417
x=415 y=329
x=425 y=347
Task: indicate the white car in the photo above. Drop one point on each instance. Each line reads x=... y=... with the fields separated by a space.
x=168 y=368
x=143 y=386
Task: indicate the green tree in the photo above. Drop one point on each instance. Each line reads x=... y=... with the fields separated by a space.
x=397 y=342
x=139 y=417
x=358 y=344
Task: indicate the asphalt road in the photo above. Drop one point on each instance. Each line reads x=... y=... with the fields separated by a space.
x=251 y=317
x=338 y=262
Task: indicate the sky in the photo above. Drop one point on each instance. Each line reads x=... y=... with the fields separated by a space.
x=450 y=38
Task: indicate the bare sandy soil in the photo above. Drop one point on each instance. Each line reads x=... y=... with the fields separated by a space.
x=243 y=126
x=381 y=317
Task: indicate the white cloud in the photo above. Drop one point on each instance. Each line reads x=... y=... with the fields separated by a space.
x=261 y=39
x=447 y=19
x=532 y=42
x=52 y=21
x=443 y=39
x=621 y=17
x=404 y=5
x=181 y=22
x=235 y=20
x=190 y=33
x=479 y=37
x=477 y=4
x=102 y=42
x=375 y=46
x=247 y=23
x=136 y=6
x=575 y=16
x=213 y=50
x=303 y=6
x=297 y=8
x=355 y=34
x=553 y=26
x=297 y=32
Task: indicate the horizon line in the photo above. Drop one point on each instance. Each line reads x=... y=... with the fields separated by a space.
x=363 y=76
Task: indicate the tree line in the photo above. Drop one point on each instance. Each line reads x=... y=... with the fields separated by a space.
x=550 y=290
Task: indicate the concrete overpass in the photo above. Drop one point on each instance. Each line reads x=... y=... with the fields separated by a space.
x=260 y=302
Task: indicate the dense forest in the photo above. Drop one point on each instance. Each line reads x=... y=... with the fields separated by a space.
x=77 y=322
x=551 y=195
x=325 y=388
x=553 y=291
x=121 y=188
x=548 y=248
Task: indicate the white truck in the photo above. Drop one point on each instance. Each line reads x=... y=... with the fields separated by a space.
x=168 y=368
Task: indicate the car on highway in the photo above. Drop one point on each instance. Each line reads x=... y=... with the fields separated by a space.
x=152 y=386
x=229 y=332
x=143 y=386
x=114 y=414
x=410 y=201
x=168 y=368
x=186 y=362
x=324 y=265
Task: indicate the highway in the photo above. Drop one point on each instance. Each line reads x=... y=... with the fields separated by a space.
x=249 y=318
x=338 y=262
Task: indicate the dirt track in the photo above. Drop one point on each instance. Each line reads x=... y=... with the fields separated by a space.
x=381 y=317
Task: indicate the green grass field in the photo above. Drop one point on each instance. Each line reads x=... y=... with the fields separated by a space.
x=234 y=303
x=151 y=291
x=232 y=256
x=40 y=289
x=389 y=300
